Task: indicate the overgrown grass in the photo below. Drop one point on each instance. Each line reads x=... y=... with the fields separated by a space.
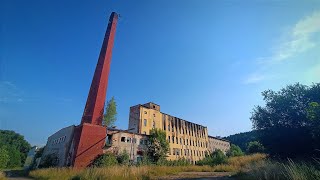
x=2 y=175
x=141 y=172
x=289 y=170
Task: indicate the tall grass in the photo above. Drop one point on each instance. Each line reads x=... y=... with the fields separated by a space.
x=2 y=175
x=141 y=172
x=289 y=170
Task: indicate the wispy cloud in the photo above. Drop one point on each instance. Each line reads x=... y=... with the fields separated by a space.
x=254 y=78
x=9 y=92
x=298 y=40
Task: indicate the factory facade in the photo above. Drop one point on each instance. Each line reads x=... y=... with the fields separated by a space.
x=187 y=140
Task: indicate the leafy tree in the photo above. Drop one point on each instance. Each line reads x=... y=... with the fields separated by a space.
x=14 y=155
x=217 y=157
x=242 y=139
x=16 y=141
x=284 y=124
x=110 y=116
x=105 y=160
x=4 y=157
x=234 y=151
x=159 y=146
x=255 y=147
x=313 y=115
x=123 y=158
x=49 y=160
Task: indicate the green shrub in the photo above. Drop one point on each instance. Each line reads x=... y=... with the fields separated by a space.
x=4 y=157
x=123 y=158
x=105 y=160
x=255 y=147
x=49 y=160
x=216 y=158
x=234 y=151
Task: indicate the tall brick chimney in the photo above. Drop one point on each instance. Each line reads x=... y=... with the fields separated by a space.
x=89 y=136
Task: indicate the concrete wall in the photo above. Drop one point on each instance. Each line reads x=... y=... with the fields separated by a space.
x=118 y=141
x=59 y=143
x=217 y=143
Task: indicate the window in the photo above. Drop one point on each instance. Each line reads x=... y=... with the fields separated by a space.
x=180 y=141
x=153 y=124
x=128 y=140
x=134 y=140
x=187 y=142
x=177 y=140
x=123 y=139
x=172 y=139
x=169 y=151
x=169 y=139
x=154 y=115
x=144 y=132
x=145 y=122
x=145 y=112
x=141 y=141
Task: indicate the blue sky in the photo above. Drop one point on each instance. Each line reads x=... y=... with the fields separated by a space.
x=203 y=61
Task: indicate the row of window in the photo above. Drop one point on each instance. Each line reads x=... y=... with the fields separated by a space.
x=186 y=152
x=221 y=144
x=187 y=142
x=145 y=123
x=134 y=141
x=191 y=131
x=59 y=140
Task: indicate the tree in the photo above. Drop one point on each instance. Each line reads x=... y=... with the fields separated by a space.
x=255 y=147
x=49 y=160
x=123 y=158
x=242 y=139
x=4 y=157
x=15 y=141
x=105 y=160
x=159 y=146
x=217 y=157
x=110 y=116
x=283 y=123
x=313 y=115
x=14 y=155
x=234 y=151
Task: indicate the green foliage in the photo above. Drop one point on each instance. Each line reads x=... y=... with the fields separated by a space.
x=110 y=116
x=178 y=162
x=216 y=158
x=123 y=158
x=242 y=139
x=14 y=155
x=50 y=160
x=15 y=142
x=288 y=122
x=4 y=157
x=105 y=160
x=255 y=147
x=313 y=115
x=159 y=146
x=234 y=151
x=145 y=161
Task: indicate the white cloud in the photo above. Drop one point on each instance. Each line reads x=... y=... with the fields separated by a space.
x=299 y=39
x=254 y=78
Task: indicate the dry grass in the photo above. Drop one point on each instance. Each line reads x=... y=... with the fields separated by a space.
x=2 y=176
x=141 y=172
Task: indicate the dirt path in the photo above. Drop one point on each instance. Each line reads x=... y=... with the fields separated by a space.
x=199 y=176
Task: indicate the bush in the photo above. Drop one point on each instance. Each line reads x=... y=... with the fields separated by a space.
x=4 y=157
x=123 y=158
x=234 y=151
x=14 y=156
x=217 y=157
x=50 y=160
x=255 y=147
x=105 y=160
